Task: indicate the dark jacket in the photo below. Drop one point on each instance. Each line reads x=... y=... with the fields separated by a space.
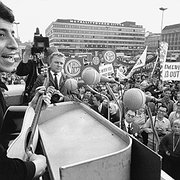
x=15 y=169
x=114 y=117
x=104 y=110
x=29 y=70
x=134 y=129
x=3 y=106
x=40 y=80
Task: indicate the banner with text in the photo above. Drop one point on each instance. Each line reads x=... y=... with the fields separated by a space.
x=106 y=70
x=171 y=71
x=163 y=48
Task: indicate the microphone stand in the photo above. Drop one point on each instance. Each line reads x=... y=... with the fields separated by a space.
x=155 y=134
x=103 y=96
x=114 y=98
x=121 y=90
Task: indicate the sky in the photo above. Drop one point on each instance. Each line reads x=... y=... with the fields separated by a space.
x=31 y=14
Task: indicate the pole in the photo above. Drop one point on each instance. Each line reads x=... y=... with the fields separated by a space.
x=119 y=106
x=162 y=18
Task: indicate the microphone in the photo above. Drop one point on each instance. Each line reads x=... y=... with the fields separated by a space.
x=71 y=84
x=91 y=77
x=135 y=98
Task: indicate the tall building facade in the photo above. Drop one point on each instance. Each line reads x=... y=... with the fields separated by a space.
x=152 y=41
x=171 y=35
x=72 y=36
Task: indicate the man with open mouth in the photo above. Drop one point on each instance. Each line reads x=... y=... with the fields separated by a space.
x=13 y=169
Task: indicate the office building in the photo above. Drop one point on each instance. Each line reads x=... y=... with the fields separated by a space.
x=171 y=35
x=152 y=41
x=71 y=36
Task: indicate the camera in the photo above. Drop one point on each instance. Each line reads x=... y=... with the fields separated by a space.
x=40 y=43
x=54 y=94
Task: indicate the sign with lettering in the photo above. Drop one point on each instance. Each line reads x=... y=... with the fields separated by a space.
x=109 y=56
x=73 y=67
x=106 y=70
x=171 y=71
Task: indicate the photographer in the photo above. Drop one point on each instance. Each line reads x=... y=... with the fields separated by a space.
x=28 y=67
x=57 y=77
x=31 y=67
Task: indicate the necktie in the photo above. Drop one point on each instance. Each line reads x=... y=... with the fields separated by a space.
x=55 y=80
x=129 y=128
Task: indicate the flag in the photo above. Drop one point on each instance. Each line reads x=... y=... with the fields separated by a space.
x=140 y=62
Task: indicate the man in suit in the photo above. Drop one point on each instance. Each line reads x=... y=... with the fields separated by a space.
x=130 y=126
x=98 y=106
x=57 y=77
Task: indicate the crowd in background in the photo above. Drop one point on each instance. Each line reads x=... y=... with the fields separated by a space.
x=164 y=104
x=12 y=78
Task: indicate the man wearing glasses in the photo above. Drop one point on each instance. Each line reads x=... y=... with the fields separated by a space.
x=130 y=126
x=160 y=123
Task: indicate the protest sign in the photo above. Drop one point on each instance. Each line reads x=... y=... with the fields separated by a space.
x=171 y=71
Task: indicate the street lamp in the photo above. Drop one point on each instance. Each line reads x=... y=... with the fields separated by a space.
x=159 y=61
x=162 y=9
x=17 y=34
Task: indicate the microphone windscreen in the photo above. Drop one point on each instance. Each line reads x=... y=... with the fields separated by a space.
x=134 y=99
x=71 y=84
x=90 y=76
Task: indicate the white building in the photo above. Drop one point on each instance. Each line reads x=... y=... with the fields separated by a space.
x=72 y=36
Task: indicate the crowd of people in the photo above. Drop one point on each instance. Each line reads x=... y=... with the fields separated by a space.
x=158 y=130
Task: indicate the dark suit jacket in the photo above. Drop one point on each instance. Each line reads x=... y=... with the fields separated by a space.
x=15 y=169
x=114 y=117
x=135 y=129
x=104 y=110
x=40 y=80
